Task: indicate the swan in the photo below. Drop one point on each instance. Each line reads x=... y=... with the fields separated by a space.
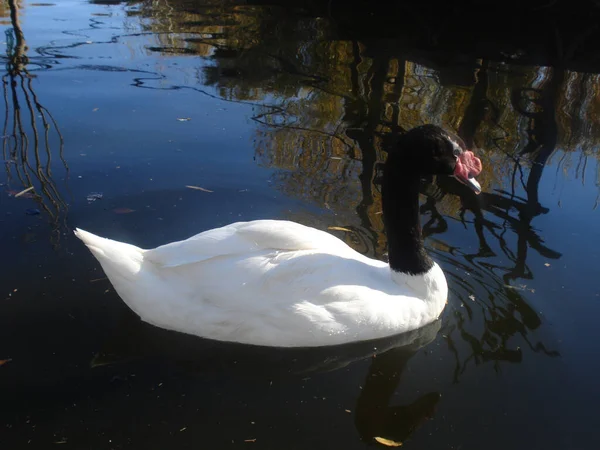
x=278 y=283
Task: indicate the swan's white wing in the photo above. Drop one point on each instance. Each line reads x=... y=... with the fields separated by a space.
x=269 y=283
x=245 y=238
x=272 y=297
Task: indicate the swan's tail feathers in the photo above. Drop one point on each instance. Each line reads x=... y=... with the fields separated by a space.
x=119 y=260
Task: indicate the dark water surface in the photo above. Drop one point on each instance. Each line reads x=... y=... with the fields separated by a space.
x=280 y=113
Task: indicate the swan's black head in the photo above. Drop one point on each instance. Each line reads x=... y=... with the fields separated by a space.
x=431 y=150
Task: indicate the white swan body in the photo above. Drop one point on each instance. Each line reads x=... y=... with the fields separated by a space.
x=269 y=282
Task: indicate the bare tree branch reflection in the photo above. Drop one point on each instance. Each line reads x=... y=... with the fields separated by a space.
x=19 y=95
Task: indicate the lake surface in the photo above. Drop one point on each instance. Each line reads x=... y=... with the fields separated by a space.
x=111 y=110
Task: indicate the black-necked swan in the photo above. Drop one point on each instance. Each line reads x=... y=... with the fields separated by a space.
x=282 y=284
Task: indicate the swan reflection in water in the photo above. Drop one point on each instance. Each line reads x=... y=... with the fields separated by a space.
x=374 y=415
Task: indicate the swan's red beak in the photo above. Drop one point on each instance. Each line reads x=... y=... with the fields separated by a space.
x=468 y=166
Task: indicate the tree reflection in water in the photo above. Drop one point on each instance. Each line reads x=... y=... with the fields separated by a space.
x=29 y=164
x=327 y=110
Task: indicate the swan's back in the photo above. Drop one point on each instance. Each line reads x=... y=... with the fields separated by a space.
x=245 y=238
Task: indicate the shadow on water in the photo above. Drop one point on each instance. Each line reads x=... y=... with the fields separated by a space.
x=190 y=364
x=373 y=414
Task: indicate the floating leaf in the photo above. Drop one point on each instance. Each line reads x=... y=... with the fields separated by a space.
x=547 y=264
x=98 y=279
x=92 y=197
x=13 y=193
x=522 y=287
x=514 y=287
x=184 y=119
x=249 y=440
x=198 y=188
x=100 y=360
x=24 y=191
x=388 y=442
x=123 y=210
x=442 y=246
x=339 y=229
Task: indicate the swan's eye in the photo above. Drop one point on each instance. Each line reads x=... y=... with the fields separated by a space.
x=456 y=148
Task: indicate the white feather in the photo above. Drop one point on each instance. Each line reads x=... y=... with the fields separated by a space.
x=269 y=282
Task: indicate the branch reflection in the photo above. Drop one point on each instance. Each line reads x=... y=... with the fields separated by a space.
x=27 y=150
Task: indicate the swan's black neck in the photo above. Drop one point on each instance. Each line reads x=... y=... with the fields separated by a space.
x=400 y=198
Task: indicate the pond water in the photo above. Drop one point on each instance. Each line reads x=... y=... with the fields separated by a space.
x=112 y=109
